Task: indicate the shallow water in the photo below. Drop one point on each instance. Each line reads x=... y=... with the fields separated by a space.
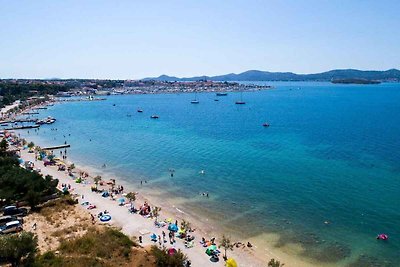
x=330 y=154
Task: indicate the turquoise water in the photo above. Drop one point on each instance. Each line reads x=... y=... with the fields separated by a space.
x=330 y=154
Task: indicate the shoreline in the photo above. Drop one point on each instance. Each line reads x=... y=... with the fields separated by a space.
x=138 y=226
x=170 y=209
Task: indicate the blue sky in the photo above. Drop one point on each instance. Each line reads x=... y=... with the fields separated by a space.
x=136 y=39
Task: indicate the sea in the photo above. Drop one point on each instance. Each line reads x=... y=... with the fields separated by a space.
x=324 y=176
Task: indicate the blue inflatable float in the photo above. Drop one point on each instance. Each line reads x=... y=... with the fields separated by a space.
x=105 y=218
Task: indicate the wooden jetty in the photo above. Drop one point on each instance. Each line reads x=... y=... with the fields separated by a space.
x=23 y=127
x=21 y=120
x=56 y=147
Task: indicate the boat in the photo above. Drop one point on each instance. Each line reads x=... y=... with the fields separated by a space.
x=241 y=102
x=139 y=110
x=154 y=117
x=266 y=124
x=221 y=94
x=382 y=237
x=195 y=101
x=48 y=120
x=216 y=100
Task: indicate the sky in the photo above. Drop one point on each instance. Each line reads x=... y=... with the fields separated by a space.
x=137 y=39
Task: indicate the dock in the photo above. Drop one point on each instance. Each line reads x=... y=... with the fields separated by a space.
x=20 y=120
x=56 y=147
x=30 y=113
x=23 y=127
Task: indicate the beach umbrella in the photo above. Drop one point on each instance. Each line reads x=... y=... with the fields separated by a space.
x=171 y=251
x=231 y=263
x=173 y=227
x=121 y=200
x=212 y=247
x=153 y=237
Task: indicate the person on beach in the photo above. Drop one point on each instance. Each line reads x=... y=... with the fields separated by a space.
x=159 y=240
x=34 y=226
x=170 y=235
x=140 y=239
x=163 y=235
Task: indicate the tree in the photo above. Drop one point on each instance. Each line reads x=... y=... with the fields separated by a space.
x=275 y=263
x=164 y=259
x=226 y=244
x=131 y=196
x=3 y=146
x=97 y=179
x=156 y=212
x=18 y=247
x=31 y=145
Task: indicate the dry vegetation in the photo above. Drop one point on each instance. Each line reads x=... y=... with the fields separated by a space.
x=67 y=237
x=58 y=220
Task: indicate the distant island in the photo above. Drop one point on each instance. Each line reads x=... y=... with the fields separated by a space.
x=392 y=75
x=355 y=81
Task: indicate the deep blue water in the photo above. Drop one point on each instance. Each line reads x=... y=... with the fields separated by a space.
x=330 y=154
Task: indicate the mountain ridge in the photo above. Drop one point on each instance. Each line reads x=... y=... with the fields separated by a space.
x=258 y=75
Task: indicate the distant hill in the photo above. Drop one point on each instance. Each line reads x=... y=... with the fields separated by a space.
x=257 y=75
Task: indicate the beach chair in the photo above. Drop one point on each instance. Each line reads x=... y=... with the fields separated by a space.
x=189 y=244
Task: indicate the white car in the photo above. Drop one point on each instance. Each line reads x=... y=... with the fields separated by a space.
x=11 y=227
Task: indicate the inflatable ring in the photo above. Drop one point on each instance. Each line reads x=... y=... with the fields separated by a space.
x=105 y=218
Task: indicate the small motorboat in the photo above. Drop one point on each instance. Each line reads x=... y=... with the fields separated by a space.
x=266 y=124
x=139 y=110
x=216 y=100
x=382 y=237
x=222 y=94
x=154 y=117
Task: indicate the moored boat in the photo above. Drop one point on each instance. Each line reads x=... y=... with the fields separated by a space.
x=240 y=102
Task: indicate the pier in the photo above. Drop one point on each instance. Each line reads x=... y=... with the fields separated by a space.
x=56 y=147
x=23 y=127
x=30 y=113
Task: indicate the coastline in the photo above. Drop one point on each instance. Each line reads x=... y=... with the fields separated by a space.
x=170 y=209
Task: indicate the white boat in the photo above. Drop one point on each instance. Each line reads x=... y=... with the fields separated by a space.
x=195 y=101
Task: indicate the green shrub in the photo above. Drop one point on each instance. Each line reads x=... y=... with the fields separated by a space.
x=18 y=248
x=163 y=259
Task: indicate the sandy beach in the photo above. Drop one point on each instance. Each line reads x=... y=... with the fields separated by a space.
x=134 y=224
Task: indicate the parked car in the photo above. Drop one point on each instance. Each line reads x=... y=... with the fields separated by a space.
x=10 y=218
x=6 y=219
x=11 y=227
x=13 y=210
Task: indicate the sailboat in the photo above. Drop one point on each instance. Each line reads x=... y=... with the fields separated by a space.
x=241 y=102
x=195 y=101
